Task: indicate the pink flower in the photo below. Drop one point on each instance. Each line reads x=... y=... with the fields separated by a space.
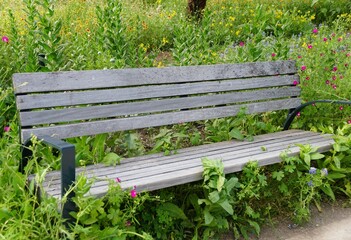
x=334 y=78
x=133 y=192
x=327 y=82
x=303 y=68
x=309 y=46
x=299 y=56
x=325 y=39
x=295 y=82
x=7 y=129
x=341 y=76
x=335 y=69
x=5 y=39
x=307 y=78
x=334 y=86
x=315 y=31
x=118 y=180
x=348 y=54
x=242 y=44
x=349 y=121
x=341 y=108
x=273 y=54
x=298 y=114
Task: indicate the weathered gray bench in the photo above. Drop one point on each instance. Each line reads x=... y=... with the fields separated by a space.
x=60 y=105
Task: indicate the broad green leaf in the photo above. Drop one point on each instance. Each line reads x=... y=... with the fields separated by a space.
x=227 y=207
x=335 y=175
x=327 y=190
x=112 y=159
x=236 y=134
x=173 y=210
x=231 y=183
x=315 y=156
x=208 y=217
x=213 y=196
x=220 y=183
x=278 y=175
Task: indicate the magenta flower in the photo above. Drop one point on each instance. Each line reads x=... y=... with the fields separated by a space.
x=118 y=180
x=334 y=86
x=7 y=129
x=133 y=192
x=335 y=69
x=325 y=39
x=349 y=121
x=299 y=56
x=273 y=54
x=327 y=82
x=341 y=108
x=298 y=114
x=307 y=78
x=5 y=39
x=242 y=44
x=315 y=31
x=295 y=82
x=309 y=46
x=334 y=78
x=303 y=68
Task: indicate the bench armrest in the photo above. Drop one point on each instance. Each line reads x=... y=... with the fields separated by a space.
x=292 y=114
x=68 y=168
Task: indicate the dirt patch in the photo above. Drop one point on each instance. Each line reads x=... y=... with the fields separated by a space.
x=332 y=223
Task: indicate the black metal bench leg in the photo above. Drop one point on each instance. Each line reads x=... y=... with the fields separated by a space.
x=68 y=177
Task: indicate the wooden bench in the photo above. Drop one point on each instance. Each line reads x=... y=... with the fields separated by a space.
x=60 y=105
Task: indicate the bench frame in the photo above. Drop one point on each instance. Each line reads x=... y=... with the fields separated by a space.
x=67 y=150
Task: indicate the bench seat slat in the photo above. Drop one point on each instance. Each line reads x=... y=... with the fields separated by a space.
x=72 y=98
x=186 y=169
x=115 y=110
x=157 y=165
x=93 y=79
x=113 y=125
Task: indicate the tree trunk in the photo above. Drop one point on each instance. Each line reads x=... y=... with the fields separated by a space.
x=196 y=7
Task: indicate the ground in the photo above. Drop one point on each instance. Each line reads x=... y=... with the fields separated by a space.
x=333 y=223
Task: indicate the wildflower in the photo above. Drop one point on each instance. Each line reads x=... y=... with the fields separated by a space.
x=349 y=121
x=327 y=82
x=339 y=39
x=303 y=68
x=5 y=39
x=335 y=69
x=295 y=82
x=325 y=39
x=312 y=170
x=299 y=56
x=324 y=171
x=310 y=183
x=241 y=44
x=118 y=180
x=341 y=76
x=307 y=78
x=6 y=129
x=298 y=114
x=334 y=86
x=273 y=54
x=128 y=223
x=341 y=108
x=315 y=31
x=309 y=46
x=133 y=192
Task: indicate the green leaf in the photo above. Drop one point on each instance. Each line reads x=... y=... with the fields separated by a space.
x=208 y=217
x=278 y=175
x=327 y=190
x=335 y=175
x=213 y=197
x=315 y=156
x=173 y=211
x=227 y=207
x=220 y=183
x=231 y=183
x=112 y=159
x=236 y=134
x=307 y=159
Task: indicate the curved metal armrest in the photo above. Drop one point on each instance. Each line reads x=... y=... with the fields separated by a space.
x=292 y=115
x=68 y=168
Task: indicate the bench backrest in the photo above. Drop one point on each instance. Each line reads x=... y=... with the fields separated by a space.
x=78 y=103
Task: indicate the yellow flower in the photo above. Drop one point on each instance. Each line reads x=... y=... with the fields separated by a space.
x=231 y=18
x=164 y=41
x=237 y=32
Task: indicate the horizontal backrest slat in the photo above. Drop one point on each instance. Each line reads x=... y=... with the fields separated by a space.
x=112 y=125
x=94 y=79
x=72 y=98
x=30 y=118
